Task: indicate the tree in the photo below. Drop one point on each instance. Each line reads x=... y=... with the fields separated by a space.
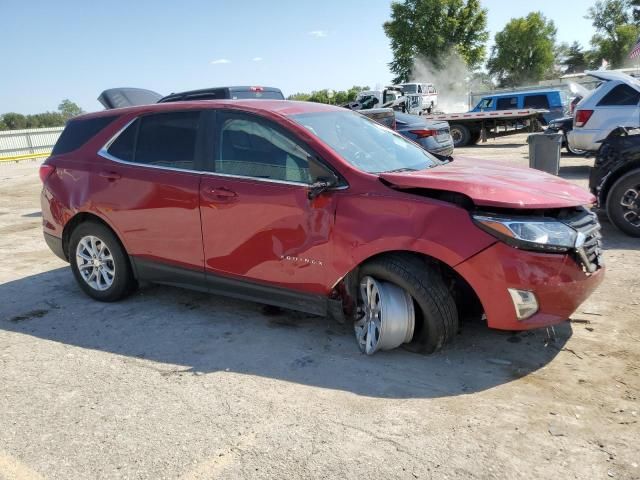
x=523 y=51
x=433 y=30
x=635 y=5
x=14 y=121
x=68 y=109
x=573 y=59
x=616 y=32
x=329 y=96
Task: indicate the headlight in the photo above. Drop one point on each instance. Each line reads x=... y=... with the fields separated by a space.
x=545 y=234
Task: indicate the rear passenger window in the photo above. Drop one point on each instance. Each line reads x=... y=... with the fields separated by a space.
x=621 y=95
x=251 y=147
x=164 y=139
x=536 y=101
x=508 y=103
x=78 y=132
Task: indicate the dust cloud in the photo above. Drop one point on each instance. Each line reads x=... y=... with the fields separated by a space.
x=453 y=83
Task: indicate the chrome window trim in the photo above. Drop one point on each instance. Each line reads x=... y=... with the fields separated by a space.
x=103 y=152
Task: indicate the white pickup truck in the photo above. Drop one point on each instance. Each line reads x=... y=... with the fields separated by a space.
x=427 y=91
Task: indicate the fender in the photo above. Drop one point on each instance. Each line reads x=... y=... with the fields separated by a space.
x=416 y=225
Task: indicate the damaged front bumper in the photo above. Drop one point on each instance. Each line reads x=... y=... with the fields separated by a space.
x=558 y=282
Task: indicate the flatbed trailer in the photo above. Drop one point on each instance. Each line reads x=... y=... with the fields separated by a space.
x=472 y=127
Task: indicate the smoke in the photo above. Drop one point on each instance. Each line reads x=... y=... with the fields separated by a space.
x=453 y=82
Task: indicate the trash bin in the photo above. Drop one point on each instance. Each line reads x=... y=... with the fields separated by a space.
x=544 y=151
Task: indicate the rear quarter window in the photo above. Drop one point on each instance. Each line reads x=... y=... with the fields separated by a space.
x=80 y=131
x=620 y=95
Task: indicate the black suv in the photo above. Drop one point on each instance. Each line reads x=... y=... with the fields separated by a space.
x=615 y=179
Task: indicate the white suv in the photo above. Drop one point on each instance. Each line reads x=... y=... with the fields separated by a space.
x=615 y=103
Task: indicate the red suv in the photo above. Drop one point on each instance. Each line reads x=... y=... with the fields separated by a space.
x=319 y=209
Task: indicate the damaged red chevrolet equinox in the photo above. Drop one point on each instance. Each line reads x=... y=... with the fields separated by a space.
x=318 y=209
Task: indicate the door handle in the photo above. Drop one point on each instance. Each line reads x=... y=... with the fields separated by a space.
x=222 y=193
x=111 y=176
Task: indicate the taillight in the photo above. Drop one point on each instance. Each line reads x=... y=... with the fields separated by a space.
x=256 y=89
x=46 y=171
x=424 y=133
x=582 y=117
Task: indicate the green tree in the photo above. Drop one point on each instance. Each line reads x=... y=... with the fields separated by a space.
x=14 y=121
x=523 y=51
x=433 y=30
x=329 y=96
x=573 y=59
x=68 y=109
x=615 y=22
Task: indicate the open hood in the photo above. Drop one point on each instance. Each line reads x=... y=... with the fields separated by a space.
x=493 y=184
x=127 y=97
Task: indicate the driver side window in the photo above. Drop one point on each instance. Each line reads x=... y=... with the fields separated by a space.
x=251 y=147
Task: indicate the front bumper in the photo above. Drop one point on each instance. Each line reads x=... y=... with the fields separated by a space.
x=558 y=282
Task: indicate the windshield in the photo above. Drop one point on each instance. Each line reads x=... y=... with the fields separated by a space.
x=410 y=88
x=365 y=144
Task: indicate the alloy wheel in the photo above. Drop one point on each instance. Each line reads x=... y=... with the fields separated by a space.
x=386 y=316
x=95 y=263
x=630 y=202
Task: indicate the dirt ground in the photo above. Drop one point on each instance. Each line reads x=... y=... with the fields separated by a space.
x=176 y=384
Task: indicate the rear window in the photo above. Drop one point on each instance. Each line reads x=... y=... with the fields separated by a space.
x=621 y=95
x=536 y=101
x=78 y=132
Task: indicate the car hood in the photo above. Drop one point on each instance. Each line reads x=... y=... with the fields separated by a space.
x=494 y=184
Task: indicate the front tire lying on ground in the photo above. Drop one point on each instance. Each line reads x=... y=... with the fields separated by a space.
x=402 y=299
x=99 y=263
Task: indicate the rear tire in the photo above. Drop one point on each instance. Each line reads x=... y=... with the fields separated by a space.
x=436 y=313
x=460 y=134
x=99 y=263
x=623 y=203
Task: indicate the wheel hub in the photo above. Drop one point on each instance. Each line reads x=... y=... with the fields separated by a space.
x=631 y=203
x=387 y=317
x=95 y=263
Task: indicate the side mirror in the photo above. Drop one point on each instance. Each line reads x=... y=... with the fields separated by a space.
x=325 y=179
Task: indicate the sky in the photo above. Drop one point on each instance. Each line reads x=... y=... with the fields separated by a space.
x=59 y=49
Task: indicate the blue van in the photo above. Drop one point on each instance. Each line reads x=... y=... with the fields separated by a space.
x=556 y=101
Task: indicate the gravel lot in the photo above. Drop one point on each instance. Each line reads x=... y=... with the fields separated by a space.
x=176 y=384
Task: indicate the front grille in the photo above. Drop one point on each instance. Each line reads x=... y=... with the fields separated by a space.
x=589 y=246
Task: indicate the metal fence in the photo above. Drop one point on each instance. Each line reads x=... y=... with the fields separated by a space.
x=31 y=143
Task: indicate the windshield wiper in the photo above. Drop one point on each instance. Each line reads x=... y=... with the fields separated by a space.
x=403 y=169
